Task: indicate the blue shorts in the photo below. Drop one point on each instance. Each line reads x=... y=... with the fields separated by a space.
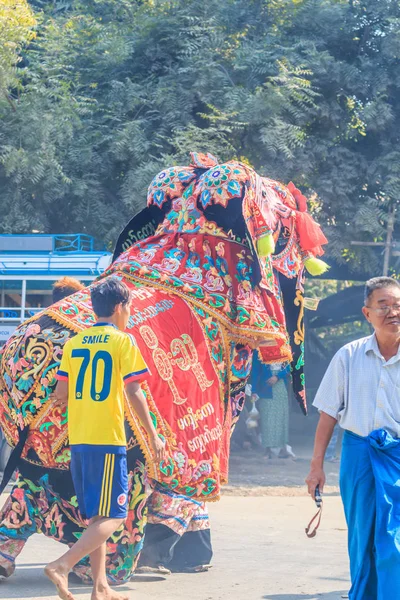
x=100 y=477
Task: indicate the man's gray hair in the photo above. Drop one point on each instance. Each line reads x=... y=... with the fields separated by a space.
x=377 y=283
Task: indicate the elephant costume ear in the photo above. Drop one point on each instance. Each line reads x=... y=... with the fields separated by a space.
x=142 y=226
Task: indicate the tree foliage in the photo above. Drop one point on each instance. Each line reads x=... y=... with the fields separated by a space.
x=17 y=24
x=112 y=90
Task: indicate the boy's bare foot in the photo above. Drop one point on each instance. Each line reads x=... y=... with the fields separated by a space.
x=59 y=577
x=107 y=593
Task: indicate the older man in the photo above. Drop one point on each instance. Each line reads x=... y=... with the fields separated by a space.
x=361 y=391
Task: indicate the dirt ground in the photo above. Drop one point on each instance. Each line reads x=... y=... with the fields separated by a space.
x=261 y=551
x=260 y=548
x=251 y=473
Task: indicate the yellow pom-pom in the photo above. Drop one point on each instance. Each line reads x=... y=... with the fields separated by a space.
x=316 y=266
x=266 y=245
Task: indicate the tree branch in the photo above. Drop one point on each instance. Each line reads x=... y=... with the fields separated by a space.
x=10 y=101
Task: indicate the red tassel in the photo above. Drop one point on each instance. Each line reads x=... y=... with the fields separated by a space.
x=310 y=235
x=301 y=201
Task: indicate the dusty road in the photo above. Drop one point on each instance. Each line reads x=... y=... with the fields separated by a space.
x=261 y=552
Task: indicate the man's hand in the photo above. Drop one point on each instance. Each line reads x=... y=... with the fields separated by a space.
x=61 y=393
x=272 y=380
x=315 y=477
x=158 y=447
x=139 y=405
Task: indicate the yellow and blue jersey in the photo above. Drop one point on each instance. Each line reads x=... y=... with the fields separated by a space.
x=97 y=363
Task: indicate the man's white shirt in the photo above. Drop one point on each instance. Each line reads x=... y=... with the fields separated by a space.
x=362 y=390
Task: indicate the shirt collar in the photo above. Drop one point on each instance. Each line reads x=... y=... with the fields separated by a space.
x=372 y=346
x=104 y=324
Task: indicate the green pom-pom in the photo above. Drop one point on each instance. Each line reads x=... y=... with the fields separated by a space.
x=266 y=245
x=316 y=266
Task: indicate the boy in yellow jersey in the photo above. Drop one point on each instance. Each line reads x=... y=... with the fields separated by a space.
x=97 y=366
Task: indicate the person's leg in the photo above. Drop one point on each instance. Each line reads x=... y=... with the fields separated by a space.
x=125 y=545
x=385 y=458
x=193 y=552
x=357 y=488
x=168 y=518
x=262 y=407
x=118 y=508
x=98 y=566
x=101 y=484
x=95 y=535
x=158 y=546
x=101 y=588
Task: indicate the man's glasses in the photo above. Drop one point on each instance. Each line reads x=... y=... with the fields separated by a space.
x=382 y=311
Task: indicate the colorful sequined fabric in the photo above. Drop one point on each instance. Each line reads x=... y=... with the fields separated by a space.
x=188 y=393
x=202 y=300
x=43 y=501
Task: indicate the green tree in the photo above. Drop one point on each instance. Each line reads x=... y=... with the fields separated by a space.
x=351 y=154
x=114 y=91
x=111 y=91
x=17 y=24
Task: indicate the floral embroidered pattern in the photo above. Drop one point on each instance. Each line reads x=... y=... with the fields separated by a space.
x=180 y=514
x=221 y=183
x=215 y=274
x=168 y=184
x=29 y=363
x=47 y=504
x=184 y=216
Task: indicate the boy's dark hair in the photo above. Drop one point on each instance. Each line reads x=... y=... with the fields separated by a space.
x=377 y=283
x=65 y=287
x=107 y=294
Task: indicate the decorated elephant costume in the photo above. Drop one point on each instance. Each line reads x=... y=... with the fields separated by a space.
x=215 y=264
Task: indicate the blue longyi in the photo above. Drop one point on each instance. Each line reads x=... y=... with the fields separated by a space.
x=370 y=489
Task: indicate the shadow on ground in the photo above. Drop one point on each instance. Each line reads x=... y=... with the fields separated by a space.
x=32 y=583
x=323 y=596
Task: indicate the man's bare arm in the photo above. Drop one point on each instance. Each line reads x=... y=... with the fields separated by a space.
x=323 y=435
x=61 y=392
x=139 y=405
